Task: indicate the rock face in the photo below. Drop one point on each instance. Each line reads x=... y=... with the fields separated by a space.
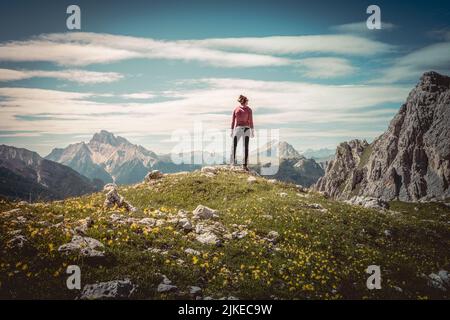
x=112 y=158
x=410 y=161
x=26 y=175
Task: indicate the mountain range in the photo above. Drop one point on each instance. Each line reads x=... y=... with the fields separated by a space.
x=293 y=167
x=26 y=175
x=410 y=161
x=113 y=158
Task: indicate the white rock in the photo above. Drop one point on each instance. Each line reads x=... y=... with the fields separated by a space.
x=283 y=194
x=194 y=290
x=239 y=234
x=209 y=169
x=443 y=274
x=436 y=282
x=202 y=212
x=108 y=290
x=251 y=179
x=147 y=221
x=369 y=202
x=192 y=251
x=273 y=236
x=153 y=175
x=18 y=242
x=208 y=238
x=85 y=246
x=109 y=186
x=185 y=224
x=113 y=198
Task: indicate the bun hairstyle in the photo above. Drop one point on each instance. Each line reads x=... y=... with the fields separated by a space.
x=242 y=99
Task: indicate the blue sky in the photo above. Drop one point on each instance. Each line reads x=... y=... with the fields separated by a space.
x=143 y=69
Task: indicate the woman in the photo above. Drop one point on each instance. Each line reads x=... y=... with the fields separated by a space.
x=241 y=126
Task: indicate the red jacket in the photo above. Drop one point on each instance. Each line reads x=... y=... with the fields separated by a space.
x=242 y=116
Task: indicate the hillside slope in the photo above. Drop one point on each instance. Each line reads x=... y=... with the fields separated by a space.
x=265 y=240
x=26 y=175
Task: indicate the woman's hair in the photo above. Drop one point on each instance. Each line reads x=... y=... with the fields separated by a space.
x=242 y=99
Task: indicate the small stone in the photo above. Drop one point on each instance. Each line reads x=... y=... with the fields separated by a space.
x=153 y=175
x=85 y=246
x=115 y=289
x=185 y=224
x=194 y=290
x=251 y=179
x=192 y=251
x=147 y=221
x=18 y=242
x=208 y=238
x=273 y=236
x=202 y=212
x=239 y=234
x=163 y=288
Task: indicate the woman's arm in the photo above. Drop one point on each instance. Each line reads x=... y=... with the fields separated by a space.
x=233 y=120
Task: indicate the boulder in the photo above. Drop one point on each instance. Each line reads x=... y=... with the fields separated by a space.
x=166 y=285
x=18 y=242
x=273 y=236
x=153 y=175
x=113 y=198
x=185 y=224
x=369 y=202
x=84 y=246
x=192 y=251
x=115 y=289
x=208 y=238
x=202 y=212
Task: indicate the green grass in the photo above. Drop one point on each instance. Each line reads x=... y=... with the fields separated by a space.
x=319 y=255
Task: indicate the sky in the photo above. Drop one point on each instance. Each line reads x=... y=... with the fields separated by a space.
x=144 y=69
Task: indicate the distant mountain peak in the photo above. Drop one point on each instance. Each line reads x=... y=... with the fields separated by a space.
x=106 y=137
x=112 y=158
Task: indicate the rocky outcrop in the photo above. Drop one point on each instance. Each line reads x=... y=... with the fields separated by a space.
x=410 y=161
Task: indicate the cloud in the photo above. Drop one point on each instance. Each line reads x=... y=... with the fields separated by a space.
x=326 y=67
x=290 y=103
x=139 y=95
x=360 y=28
x=328 y=44
x=409 y=67
x=79 y=48
x=80 y=76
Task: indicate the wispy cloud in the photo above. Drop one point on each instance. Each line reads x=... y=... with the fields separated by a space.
x=139 y=95
x=360 y=28
x=80 y=76
x=79 y=48
x=291 y=104
x=326 y=67
x=433 y=57
x=327 y=44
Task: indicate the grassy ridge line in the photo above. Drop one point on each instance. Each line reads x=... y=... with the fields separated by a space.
x=319 y=255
